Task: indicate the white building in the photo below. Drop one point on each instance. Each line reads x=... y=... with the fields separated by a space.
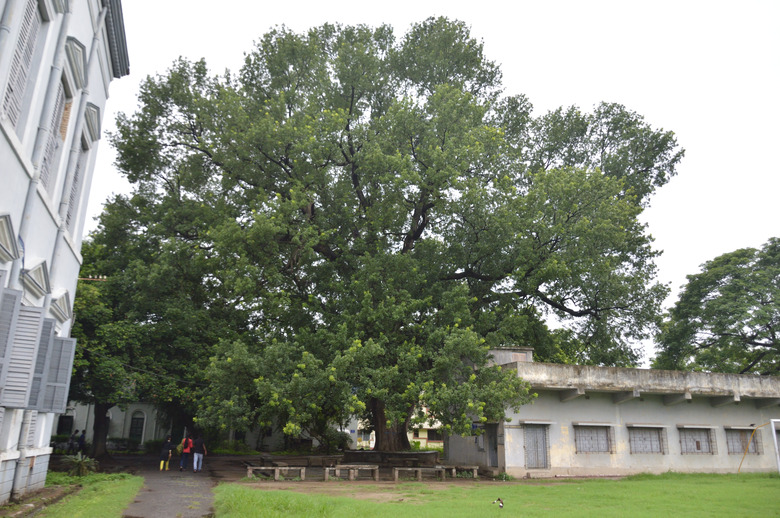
x=590 y=421
x=57 y=59
x=128 y=428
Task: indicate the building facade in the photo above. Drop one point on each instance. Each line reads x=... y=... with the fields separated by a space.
x=129 y=428
x=601 y=421
x=57 y=59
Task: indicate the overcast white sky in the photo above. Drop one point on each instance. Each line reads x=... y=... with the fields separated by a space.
x=707 y=70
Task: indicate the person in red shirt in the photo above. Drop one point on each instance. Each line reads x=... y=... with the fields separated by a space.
x=186 y=449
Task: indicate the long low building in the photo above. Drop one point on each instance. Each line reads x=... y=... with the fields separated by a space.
x=601 y=421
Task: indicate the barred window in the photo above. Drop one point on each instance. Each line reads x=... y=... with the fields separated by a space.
x=647 y=440
x=697 y=441
x=434 y=435
x=594 y=439
x=738 y=441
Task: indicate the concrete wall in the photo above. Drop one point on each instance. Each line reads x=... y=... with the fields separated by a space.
x=644 y=411
x=616 y=379
x=618 y=400
x=37 y=478
x=7 y=471
x=468 y=451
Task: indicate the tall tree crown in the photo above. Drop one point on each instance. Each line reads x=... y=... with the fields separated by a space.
x=377 y=208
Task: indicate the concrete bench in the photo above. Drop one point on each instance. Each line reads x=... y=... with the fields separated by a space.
x=353 y=470
x=277 y=470
x=406 y=461
x=438 y=471
x=453 y=470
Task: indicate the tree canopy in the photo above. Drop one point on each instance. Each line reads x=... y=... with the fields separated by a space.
x=379 y=214
x=727 y=316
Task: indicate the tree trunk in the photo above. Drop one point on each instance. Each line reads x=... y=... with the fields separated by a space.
x=388 y=438
x=100 y=430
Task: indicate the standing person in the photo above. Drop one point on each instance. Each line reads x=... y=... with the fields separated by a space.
x=165 y=453
x=199 y=450
x=72 y=442
x=83 y=442
x=186 y=449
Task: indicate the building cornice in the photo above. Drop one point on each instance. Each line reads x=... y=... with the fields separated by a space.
x=117 y=41
x=573 y=381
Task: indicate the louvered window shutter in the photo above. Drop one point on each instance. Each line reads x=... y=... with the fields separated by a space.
x=41 y=364
x=54 y=142
x=33 y=429
x=21 y=360
x=22 y=62
x=75 y=190
x=10 y=302
x=58 y=378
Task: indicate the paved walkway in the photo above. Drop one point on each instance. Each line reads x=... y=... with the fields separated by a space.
x=174 y=493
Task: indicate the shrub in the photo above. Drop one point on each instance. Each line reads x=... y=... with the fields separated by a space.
x=60 y=438
x=79 y=465
x=334 y=440
x=233 y=448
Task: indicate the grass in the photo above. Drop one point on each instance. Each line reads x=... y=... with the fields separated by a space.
x=101 y=495
x=671 y=494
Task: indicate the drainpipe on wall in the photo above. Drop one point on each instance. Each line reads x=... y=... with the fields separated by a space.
x=75 y=150
x=55 y=77
x=40 y=142
x=22 y=463
x=44 y=126
x=12 y=9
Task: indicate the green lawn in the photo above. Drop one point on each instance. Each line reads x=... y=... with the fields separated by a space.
x=101 y=495
x=669 y=495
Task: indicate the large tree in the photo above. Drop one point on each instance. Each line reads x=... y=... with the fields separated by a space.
x=105 y=348
x=381 y=215
x=146 y=329
x=728 y=316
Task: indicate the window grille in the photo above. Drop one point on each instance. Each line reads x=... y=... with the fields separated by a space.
x=647 y=440
x=594 y=439
x=737 y=441
x=697 y=441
